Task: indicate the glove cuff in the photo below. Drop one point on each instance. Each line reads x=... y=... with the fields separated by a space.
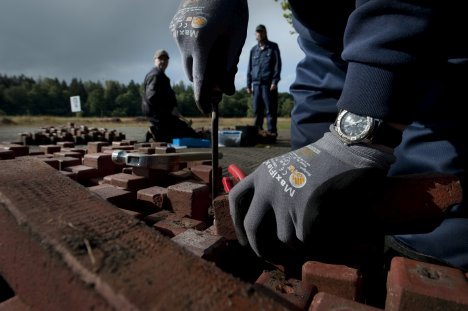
x=357 y=155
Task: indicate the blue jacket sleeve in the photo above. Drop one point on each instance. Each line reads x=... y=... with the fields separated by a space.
x=390 y=47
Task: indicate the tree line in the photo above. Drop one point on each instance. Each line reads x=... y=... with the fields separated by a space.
x=21 y=95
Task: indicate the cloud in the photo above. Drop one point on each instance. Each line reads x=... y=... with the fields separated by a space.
x=114 y=39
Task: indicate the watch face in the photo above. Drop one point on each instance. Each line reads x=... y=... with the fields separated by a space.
x=353 y=127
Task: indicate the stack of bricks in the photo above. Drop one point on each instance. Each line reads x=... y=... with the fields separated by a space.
x=80 y=135
x=80 y=231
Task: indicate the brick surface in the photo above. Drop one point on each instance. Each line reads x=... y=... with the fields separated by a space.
x=82 y=172
x=101 y=258
x=222 y=218
x=415 y=203
x=288 y=291
x=119 y=197
x=415 y=285
x=102 y=162
x=127 y=181
x=175 y=225
x=6 y=154
x=96 y=146
x=14 y=304
x=328 y=302
x=201 y=243
x=67 y=161
x=156 y=196
x=68 y=154
x=339 y=280
x=19 y=150
x=49 y=149
x=190 y=199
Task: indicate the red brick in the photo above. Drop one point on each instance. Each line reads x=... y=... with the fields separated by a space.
x=417 y=202
x=96 y=146
x=49 y=149
x=338 y=280
x=159 y=216
x=201 y=243
x=222 y=218
x=68 y=154
x=67 y=161
x=203 y=172
x=180 y=176
x=14 y=304
x=127 y=181
x=156 y=196
x=415 y=285
x=54 y=162
x=117 y=196
x=70 y=175
x=66 y=144
x=19 y=150
x=288 y=291
x=155 y=176
x=6 y=154
x=327 y=302
x=190 y=199
x=91 y=256
x=102 y=162
x=82 y=172
x=174 y=225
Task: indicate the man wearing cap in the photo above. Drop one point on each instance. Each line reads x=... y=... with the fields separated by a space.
x=263 y=75
x=159 y=104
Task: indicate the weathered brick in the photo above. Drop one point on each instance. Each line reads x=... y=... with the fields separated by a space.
x=67 y=161
x=175 y=225
x=68 y=154
x=189 y=199
x=327 y=302
x=96 y=146
x=415 y=285
x=222 y=218
x=102 y=162
x=156 y=196
x=151 y=219
x=83 y=172
x=91 y=256
x=6 y=154
x=117 y=196
x=288 y=291
x=66 y=144
x=201 y=243
x=18 y=149
x=50 y=149
x=14 y=304
x=338 y=280
x=127 y=181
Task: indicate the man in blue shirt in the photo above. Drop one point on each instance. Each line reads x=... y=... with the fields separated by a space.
x=263 y=75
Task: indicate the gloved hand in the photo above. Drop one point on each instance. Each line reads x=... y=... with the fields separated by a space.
x=210 y=35
x=286 y=198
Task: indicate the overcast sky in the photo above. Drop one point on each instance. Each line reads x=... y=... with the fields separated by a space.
x=102 y=40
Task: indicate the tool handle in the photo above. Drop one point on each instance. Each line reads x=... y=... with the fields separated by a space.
x=227 y=184
x=236 y=172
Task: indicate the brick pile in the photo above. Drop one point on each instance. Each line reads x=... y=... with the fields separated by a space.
x=78 y=134
x=82 y=232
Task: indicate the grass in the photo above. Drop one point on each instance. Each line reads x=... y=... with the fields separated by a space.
x=283 y=123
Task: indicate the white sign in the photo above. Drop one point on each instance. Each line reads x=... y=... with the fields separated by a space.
x=75 y=103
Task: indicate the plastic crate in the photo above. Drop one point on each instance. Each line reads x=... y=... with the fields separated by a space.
x=229 y=138
x=191 y=142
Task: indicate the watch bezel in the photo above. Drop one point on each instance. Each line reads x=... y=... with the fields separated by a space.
x=354 y=139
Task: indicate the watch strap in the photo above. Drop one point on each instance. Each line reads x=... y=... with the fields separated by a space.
x=386 y=135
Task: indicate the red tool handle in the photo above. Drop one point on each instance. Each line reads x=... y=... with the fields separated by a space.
x=237 y=175
x=236 y=172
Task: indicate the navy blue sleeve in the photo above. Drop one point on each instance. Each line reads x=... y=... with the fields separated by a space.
x=390 y=47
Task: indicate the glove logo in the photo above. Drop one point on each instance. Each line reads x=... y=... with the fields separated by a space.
x=199 y=22
x=297 y=179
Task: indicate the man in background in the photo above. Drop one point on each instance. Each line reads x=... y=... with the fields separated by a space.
x=159 y=104
x=263 y=75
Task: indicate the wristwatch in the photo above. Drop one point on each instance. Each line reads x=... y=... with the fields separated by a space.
x=353 y=129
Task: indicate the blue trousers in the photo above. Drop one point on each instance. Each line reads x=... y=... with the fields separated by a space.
x=435 y=142
x=265 y=103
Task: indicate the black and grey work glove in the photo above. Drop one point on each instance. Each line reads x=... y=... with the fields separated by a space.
x=287 y=197
x=210 y=35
